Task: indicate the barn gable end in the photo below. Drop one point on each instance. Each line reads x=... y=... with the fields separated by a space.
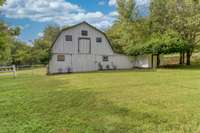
x=72 y=47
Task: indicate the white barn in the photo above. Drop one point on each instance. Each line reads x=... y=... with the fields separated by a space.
x=84 y=48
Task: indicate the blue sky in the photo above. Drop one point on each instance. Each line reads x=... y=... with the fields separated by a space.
x=33 y=15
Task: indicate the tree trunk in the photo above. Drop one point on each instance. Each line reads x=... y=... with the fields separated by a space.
x=158 y=60
x=181 y=58
x=188 y=57
x=152 y=64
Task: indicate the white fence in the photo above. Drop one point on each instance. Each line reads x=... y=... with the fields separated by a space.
x=8 y=70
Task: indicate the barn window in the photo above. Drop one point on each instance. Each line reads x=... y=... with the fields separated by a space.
x=68 y=38
x=84 y=33
x=60 y=57
x=105 y=58
x=98 y=39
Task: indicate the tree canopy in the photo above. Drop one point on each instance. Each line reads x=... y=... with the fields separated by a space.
x=14 y=51
x=7 y=35
x=172 y=26
x=42 y=45
x=2 y=2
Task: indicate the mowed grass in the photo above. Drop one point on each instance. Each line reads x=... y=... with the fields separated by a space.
x=167 y=100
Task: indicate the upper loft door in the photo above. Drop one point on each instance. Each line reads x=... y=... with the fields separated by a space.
x=84 y=46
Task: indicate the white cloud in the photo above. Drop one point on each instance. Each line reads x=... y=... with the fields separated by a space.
x=139 y=2
x=58 y=11
x=113 y=14
x=101 y=3
x=112 y=2
x=40 y=34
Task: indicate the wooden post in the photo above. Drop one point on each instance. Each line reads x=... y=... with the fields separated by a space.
x=14 y=71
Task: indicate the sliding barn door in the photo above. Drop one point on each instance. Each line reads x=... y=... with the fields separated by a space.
x=84 y=46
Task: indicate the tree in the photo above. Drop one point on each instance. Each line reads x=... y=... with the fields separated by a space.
x=50 y=33
x=5 y=44
x=21 y=53
x=165 y=43
x=129 y=27
x=114 y=34
x=159 y=20
x=42 y=45
x=182 y=16
x=7 y=35
x=12 y=51
x=2 y=2
x=127 y=10
x=187 y=23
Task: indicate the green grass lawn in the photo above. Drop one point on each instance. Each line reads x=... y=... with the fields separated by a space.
x=167 y=100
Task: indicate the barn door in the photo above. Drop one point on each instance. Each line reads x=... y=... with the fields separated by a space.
x=84 y=46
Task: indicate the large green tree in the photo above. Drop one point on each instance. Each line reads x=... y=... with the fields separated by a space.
x=2 y=2
x=182 y=16
x=42 y=45
x=128 y=29
x=7 y=35
x=5 y=44
x=187 y=22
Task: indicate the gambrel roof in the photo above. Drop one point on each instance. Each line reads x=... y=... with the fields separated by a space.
x=65 y=29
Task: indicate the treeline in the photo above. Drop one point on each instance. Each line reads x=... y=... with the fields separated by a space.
x=172 y=26
x=14 y=51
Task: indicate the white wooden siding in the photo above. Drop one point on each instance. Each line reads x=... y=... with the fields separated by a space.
x=87 y=62
x=60 y=66
x=122 y=61
x=84 y=62
x=62 y=46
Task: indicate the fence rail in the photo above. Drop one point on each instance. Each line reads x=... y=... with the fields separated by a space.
x=7 y=69
x=27 y=67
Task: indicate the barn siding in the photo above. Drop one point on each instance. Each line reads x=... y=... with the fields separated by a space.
x=86 y=63
x=122 y=62
x=60 y=66
x=62 y=46
x=81 y=63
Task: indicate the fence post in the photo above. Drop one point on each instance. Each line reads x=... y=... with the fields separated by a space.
x=14 y=71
